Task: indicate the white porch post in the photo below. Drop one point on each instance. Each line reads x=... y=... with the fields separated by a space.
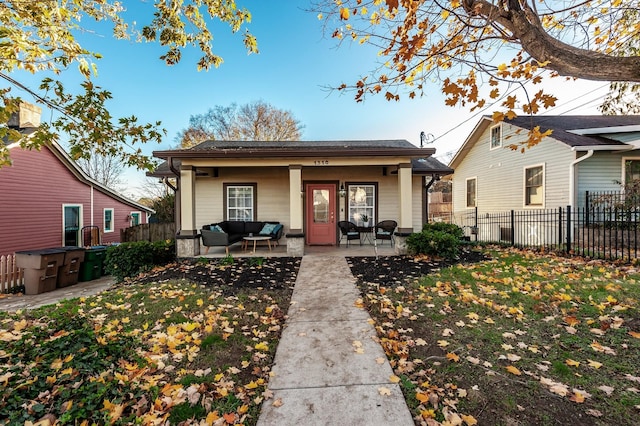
x=295 y=236
x=405 y=202
x=188 y=239
x=295 y=200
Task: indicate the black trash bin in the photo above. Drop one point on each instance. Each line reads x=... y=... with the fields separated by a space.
x=40 y=269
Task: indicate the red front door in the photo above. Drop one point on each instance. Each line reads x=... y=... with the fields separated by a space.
x=321 y=214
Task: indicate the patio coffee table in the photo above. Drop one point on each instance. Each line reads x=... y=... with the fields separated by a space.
x=255 y=239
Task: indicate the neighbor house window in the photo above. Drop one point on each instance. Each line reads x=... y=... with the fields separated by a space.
x=496 y=137
x=240 y=202
x=108 y=220
x=534 y=186
x=631 y=171
x=471 y=192
x=361 y=203
x=135 y=218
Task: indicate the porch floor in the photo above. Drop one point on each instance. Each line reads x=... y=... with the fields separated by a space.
x=354 y=249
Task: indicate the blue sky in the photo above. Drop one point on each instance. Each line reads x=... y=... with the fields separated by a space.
x=296 y=64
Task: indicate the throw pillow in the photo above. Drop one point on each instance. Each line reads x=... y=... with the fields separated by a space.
x=216 y=228
x=267 y=229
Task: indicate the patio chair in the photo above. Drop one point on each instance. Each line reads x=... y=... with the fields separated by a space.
x=348 y=230
x=384 y=230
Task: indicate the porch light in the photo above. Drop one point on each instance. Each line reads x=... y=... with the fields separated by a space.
x=342 y=192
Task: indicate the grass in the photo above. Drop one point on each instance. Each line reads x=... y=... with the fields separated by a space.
x=141 y=354
x=521 y=339
x=524 y=338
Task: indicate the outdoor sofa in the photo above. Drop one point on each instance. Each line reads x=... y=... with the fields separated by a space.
x=228 y=232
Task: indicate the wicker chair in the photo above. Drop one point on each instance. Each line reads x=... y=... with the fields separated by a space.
x=384 y=230
x=348 y=230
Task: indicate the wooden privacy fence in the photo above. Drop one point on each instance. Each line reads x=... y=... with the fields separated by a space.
x=148 y=232
x=10 y=275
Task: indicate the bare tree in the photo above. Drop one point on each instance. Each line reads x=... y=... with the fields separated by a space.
x=256 y=121
x=105 y=169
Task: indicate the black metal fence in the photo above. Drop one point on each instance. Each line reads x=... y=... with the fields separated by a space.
x=598 y=231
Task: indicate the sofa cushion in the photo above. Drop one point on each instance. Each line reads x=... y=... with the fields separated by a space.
x=216 y=228
x=252 y=227
x=268 y=228
x=235 y=227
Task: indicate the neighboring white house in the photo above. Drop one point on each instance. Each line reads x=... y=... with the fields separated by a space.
x=583 y=153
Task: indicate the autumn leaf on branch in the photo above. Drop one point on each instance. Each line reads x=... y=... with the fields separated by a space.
x=424 y=42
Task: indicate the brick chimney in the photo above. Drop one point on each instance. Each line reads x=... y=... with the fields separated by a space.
x=27 y=118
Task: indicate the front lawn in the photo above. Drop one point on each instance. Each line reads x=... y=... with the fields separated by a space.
x=181 y=347
x=521 y=339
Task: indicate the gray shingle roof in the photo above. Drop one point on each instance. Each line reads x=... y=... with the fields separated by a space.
x=560 y=124
x=307 y=145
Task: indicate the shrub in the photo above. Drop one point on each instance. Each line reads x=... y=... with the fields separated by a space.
x=434 y=243
x=129 y=259
x=449 y=228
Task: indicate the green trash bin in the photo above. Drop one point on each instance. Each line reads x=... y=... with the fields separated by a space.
x=92 y=266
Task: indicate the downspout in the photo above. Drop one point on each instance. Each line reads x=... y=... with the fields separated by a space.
x=572 y=176
x=91 y=205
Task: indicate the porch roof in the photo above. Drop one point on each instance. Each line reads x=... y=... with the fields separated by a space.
x=297 y=149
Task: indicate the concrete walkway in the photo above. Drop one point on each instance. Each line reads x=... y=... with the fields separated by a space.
x=329 y=368
x=14 y=302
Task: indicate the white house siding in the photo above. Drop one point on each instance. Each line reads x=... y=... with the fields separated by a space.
x=273 y=191
x=602 y=172
x=500 y=173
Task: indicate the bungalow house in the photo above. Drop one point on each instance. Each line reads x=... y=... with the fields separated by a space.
x=48 y=201
x=308 y=186
x=583 y=153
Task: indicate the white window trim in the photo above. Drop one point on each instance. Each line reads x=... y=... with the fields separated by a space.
x=372 y=219
x=524 y=186
x=104 y=222
x=80 y=221
x=491 y=147
x=254 y=197
x=623 y=171
x=466 y=188
x=139 y=213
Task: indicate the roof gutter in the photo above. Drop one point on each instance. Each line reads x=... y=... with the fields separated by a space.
x=572 y=176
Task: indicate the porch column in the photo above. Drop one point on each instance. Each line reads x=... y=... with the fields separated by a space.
x=188 y=239
x=405 y=201
x=295 y=236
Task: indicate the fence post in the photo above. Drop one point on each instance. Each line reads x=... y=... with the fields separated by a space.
x=569 y=248
x=559 y=225
x=475 y=221
x=513 y=228
x=586 y=206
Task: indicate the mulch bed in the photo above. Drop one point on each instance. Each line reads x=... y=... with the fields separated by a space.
x=396 y=270
x=275 y=273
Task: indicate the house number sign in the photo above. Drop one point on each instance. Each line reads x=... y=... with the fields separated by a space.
x=320 y=162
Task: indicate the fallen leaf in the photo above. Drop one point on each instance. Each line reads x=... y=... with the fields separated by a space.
x=594 y=364
x=577 y=397
x=453 y=357
x=606 y=389
x=571 y=320
x=443 y=343
x=278 y=403
x=594 y=413
x=380 y=360
x=513 y=370
x=473 y=360
x=513 y=357
x=469 y=420
x=384 y=391
x=572 y=363
x=634 y=334
x=394 y=378
x=421 y=342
